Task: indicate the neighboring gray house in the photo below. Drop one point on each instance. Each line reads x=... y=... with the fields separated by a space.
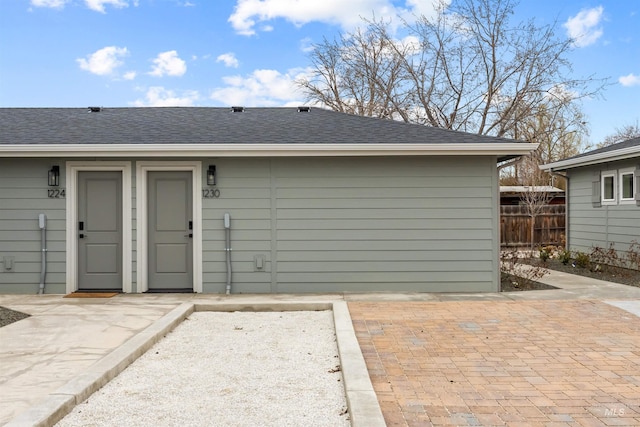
x=317 y=201
x=603 y=196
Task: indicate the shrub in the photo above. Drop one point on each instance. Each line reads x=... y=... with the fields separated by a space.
x=602 y=259
x=545 y=254
x=581 y=259
x=564 y=256
x=633 y=255
x=511 y=266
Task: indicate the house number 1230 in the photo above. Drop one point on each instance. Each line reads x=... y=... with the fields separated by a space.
x=210 y=193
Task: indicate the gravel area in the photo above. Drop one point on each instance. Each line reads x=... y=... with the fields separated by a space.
x=8 y=316
x=229 y=369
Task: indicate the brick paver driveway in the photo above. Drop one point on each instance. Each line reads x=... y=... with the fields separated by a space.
x=546 y=363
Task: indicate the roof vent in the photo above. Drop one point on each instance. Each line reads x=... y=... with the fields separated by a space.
x=304 y=109
x=237 y=109
x=95 y=109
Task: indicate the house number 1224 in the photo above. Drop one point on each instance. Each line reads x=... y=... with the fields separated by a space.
x=56 y=193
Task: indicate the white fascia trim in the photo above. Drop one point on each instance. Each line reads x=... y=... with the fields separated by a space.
x=608 y=156
x=263 y=150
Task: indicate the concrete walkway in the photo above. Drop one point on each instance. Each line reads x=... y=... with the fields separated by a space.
x=65 y=337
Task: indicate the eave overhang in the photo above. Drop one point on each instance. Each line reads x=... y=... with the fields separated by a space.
x=593 y=159
x=265 y=150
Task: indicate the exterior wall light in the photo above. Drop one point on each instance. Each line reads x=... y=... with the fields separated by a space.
x=211 y=175
x=54 y=176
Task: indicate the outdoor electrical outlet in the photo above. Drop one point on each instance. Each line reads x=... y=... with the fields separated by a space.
x=8 y=263
x=258 y=262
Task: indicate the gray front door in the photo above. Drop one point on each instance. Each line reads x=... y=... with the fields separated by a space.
x=170 y=211
x=99 y=230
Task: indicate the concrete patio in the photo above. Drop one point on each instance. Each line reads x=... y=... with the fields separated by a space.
x=557 y=357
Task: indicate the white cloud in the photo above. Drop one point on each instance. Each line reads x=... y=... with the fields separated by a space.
x=560 y=93
x=306 y=45
x=158 y=96
x=98 y=5
x=55 y=4
x=264 y=88
x=229 y=59
x=584 y=28
x=411 y=43
x=348 y=14
x=629 y=80
x=168 y=63
x=103 y=61
x=129 y=75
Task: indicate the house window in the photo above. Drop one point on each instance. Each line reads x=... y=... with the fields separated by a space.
x=609 y=188
x=627 y=188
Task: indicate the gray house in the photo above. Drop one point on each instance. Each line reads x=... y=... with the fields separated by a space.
x=264 y=200
x=603 y=196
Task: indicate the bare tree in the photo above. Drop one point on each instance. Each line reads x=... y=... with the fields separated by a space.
x=536 y=197
x=359 y=74
x=622 y=134
x=558 y=138
x=467 y=69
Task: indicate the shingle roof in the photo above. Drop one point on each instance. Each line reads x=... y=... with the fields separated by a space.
x=206 y=125
x=611 y=148
x=622 y=150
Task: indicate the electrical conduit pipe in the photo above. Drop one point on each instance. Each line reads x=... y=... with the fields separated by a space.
x=227 y=229
x=42 y=223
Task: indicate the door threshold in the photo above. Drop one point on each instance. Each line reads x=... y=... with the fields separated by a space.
x=87 y=294
x=171 y=291
x=98 y=291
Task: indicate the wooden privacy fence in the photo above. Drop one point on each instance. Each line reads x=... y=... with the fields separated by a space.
x=515 y=226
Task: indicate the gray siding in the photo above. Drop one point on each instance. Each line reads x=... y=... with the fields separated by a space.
x=354 y=224
x=23 y=195
x=321 y=224
x=591 y=226
x=245 y=193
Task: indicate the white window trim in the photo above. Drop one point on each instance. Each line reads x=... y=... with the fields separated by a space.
x=142 y=250
x=605 y=174
x=72 y=169
x=628 y=200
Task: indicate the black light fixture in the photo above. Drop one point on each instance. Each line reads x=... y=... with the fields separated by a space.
x=211 y=175
x=54 y=176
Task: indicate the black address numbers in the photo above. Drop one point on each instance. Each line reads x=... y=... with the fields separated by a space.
x=56 y=193
x=210 y=193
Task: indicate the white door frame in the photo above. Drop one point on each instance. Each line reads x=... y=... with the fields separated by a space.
x=72 y=169
x=142 y=243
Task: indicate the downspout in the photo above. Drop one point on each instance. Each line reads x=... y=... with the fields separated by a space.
x=227 y=228
x=42 y=223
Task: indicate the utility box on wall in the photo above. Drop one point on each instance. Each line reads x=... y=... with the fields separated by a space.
x=8 y=264
x=259 y=263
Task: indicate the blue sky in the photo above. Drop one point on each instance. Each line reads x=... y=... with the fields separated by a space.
x=118 y=53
